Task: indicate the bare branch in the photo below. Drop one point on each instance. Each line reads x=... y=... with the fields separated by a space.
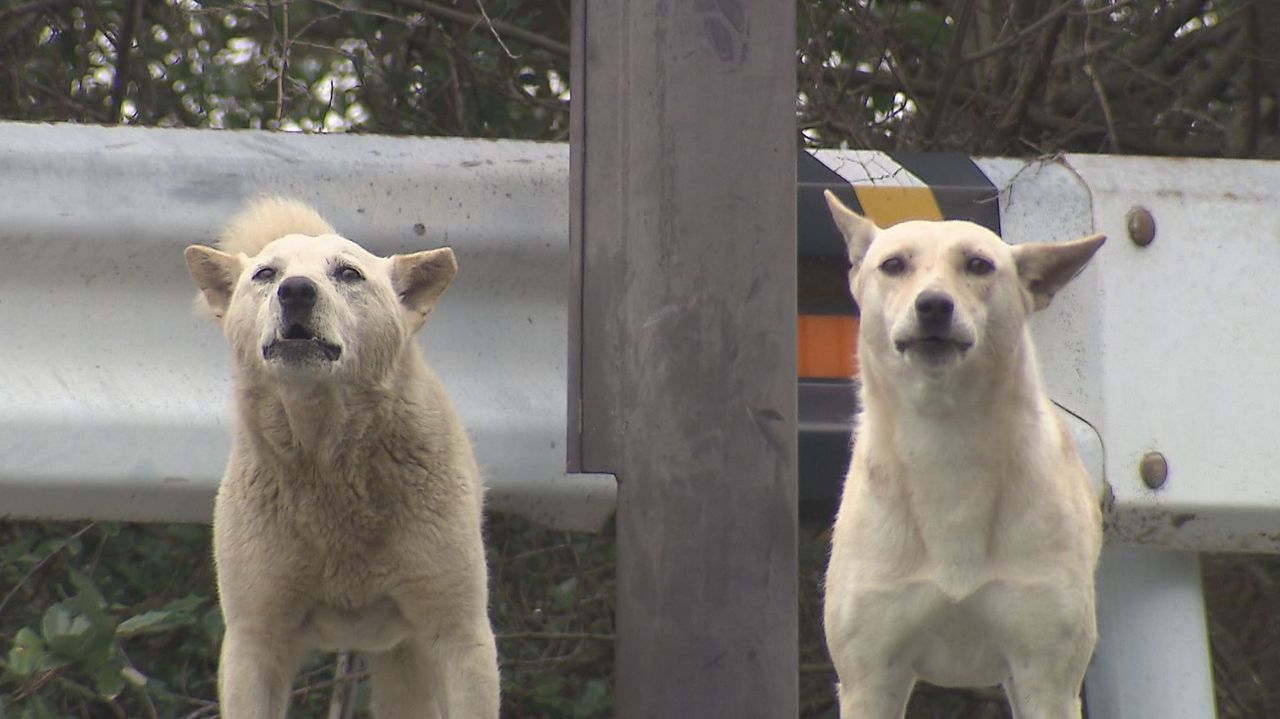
x=124 y=49
x=1022 y=34
x=950 y=71
x=488 y=21
x=511 y=31
x=29 y=7
x=1031 y=77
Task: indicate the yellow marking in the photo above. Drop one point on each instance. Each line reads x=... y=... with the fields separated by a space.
x=888 y=206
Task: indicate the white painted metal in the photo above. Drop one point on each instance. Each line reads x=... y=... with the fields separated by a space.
x=868 y=167
x=1171 y=347
x=1189 y=342
x=114 y=395
x=1042 y=202
x=1152 y=658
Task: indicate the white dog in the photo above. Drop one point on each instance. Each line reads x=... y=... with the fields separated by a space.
x=350 y=513
x=968 y=532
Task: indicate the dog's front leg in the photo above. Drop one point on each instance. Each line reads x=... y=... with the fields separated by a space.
x=449 y=677
x=404 y=686
x=1045 y=684
x=469 y=675
x=1055 y=642
x=254 y=674
x=881 y=697
x=1042 y=697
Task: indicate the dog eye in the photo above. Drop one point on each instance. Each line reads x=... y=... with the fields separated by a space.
x=893 y=266
x=347 y=273
x=979 y=266
x=264 y=274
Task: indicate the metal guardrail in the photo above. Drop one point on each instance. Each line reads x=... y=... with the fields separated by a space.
x=115 y=395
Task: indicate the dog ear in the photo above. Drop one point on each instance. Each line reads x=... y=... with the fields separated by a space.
x=858 y=231
x=419 y=279
x=215 y=273
x=1045 y=268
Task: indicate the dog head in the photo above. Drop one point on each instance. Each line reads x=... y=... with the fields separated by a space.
x=935 y=295
x=318 y=306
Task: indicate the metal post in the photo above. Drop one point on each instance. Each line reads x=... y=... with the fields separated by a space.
x=682 y=369
x=1152 y=658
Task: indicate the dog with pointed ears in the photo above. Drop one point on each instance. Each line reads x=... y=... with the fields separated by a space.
x=349 y=517
x=964 y=548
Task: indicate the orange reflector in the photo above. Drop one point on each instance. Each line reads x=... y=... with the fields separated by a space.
x=827 y=346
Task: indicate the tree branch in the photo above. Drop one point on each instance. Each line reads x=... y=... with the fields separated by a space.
x=29 y=7
x=950 y=70
x=511 y=31
x=1021 y=35
x=1031 y=78
x=124 y=49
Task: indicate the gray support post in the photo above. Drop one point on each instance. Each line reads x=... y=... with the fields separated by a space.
x=683 y=342
x=1153 y=657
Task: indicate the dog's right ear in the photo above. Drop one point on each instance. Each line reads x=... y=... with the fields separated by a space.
x=216 y=274
x=419 y=279
x=858 y=231
x=1047 y=267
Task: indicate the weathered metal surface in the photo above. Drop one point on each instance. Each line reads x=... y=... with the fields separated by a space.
x=1189 y=343
x=1152 y=658
x=115 y=396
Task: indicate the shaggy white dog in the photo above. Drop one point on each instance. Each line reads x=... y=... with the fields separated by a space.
x=349 y=516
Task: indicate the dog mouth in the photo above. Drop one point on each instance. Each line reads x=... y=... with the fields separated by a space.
x=299 y=344
x=933 y=349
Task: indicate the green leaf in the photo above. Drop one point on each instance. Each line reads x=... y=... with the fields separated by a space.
x=27 y=655
x=69 y=635
x=55 y=622
x=157 y=620
x=108 y=681
x=90 y=603
x=86 y=587
x=186 y=606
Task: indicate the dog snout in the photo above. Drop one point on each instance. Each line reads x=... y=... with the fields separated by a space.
x=934 y=310
x=297 y=294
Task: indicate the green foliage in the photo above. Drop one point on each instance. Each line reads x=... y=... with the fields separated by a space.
x=122 y=620
x=385 y=67
x=104 y=617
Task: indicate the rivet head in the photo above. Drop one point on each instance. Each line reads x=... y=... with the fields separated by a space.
x=1154 y=469
x=1142 y=226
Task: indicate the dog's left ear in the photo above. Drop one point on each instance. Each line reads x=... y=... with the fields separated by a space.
x=215 y=273
x=857 y=230
x=1045 y=268
x=419 y=279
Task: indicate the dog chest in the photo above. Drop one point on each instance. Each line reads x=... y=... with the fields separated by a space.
x=373 y=627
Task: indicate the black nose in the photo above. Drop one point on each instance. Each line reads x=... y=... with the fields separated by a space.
x=297 y=293
x=934 y=310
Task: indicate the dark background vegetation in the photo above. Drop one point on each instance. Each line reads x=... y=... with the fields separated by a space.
x=120 y=620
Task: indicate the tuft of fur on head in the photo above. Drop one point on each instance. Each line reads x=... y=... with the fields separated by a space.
x=260 y=223
x=267 y=219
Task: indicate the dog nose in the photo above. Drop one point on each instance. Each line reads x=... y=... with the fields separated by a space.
x=297 y=293
x=934 y=309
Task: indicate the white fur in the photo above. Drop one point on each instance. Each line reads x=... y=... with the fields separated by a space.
x=967 y=536
x=350 y=513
